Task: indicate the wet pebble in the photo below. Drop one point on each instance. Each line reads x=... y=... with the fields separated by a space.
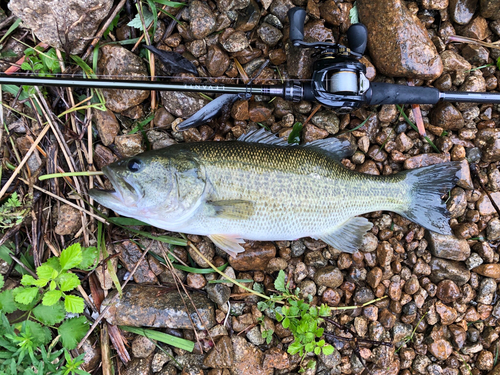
x=488 y=270
x=142 y=347
x=269 y=34
x=222 y=355
x=201 y=19
x=486 y=291
x=329 y=276
x=129 y=145
x=441 y=349
x=493 y=229
x=254 y=258
x=447 y=291
x=68 y=220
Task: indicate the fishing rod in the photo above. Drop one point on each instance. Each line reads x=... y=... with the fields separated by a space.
x=338 y=79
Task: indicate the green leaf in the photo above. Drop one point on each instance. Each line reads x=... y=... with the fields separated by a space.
x=163 y=337
x=54 y=263
x=126 y=221
x=89 y=257
x=328 y=349
x=72 y=331
x=51 y=297
x=50 y=315
x=1 y=281
x=353 y=14
x=7 y=304
x=51 y=61
x=71 y=256
x=294 y=348
x=137 y=23
x=317 y=351
x=286 y=323
x=68 y=281
x=46 y=272
x=279 y=283
x=26 y=66
x=294 y=136
x=28 y=280
x=41 y=335
x=74 y=304
x=40 y=282
x=25 y=295
x=498 y=63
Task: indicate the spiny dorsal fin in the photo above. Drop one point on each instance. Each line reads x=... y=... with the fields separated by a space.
x=336 y=147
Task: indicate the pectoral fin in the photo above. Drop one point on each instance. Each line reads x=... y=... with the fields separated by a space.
x=231 y=209
x=347 y=236
x=230 y=245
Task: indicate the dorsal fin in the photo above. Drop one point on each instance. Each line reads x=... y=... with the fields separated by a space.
x=263 y=136
x=336 y=147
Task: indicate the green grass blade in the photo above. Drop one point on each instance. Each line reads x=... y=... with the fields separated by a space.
x=162 y=337
x=400 y=108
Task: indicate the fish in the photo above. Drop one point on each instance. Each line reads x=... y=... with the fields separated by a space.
x=263 y=189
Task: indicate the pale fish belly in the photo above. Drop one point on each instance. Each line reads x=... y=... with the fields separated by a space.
x=288 y=206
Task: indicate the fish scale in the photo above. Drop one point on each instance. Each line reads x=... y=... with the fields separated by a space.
x=296 y=192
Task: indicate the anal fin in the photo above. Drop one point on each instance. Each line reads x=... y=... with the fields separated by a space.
x=230 y=245
x=348 y=236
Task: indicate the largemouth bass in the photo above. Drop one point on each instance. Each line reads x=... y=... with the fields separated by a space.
x=261 y=188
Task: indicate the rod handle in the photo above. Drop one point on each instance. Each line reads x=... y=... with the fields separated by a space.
x=389 y=93
x=296 y=16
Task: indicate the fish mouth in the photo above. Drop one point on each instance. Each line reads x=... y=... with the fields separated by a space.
x=123 y=193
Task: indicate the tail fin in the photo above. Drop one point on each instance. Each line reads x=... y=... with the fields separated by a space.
x=427 y=186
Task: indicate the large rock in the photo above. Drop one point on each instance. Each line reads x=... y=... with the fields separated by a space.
x=443 y=269
x=398 y=42
x=51 y=19
x=117 y=61
x=149 y=306
x=447 y=247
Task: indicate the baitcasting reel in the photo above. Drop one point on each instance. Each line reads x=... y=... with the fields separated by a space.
x=338 y=80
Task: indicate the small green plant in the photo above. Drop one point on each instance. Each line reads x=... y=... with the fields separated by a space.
x=294 y=136
x=12 y=212
x=23 y=351
x=25 y=346
x=54 y=281
x=301 y=318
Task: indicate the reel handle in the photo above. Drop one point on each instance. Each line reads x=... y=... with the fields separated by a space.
x=296 y=16
x=357 y=35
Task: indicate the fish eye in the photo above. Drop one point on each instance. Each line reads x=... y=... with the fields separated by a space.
x=134 y=165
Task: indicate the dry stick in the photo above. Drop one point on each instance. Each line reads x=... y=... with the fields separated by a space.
x=105 y=351
x=25 y=159
x=316 y=109
x=99 y=318
x=192 y=246
x=103 y=29
x=67 y=202
x=419 y=121
x=80 y=288
x=473 y=167
x=60 y=140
